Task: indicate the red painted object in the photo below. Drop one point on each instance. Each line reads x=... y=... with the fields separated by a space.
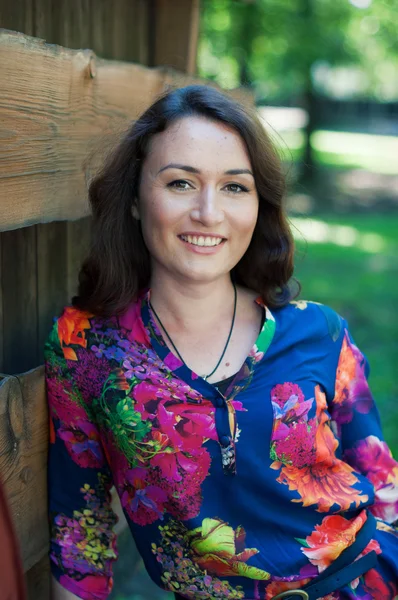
x=12 y=586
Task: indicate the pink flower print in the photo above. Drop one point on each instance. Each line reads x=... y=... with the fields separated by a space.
x=282 y=392
x=83 y=444
x=144 y=503
x=132 y=320
x=255 y=354
x=168 y=463
x=288 y=409
x=182 y=391
x=298 y=447
x=187 y=426
x=372 y=457
x=172 y=362
x=89 y=587
x=63 y=401
x=147 y=398
x=185 y=496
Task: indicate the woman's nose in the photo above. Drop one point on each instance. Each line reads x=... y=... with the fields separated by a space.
x=208 y=209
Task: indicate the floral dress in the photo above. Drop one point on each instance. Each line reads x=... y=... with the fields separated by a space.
x=240 y=495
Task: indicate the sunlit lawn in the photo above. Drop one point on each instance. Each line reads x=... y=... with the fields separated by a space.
x=375 y=153
x=351 y=264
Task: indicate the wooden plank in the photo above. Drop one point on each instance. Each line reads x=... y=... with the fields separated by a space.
x=119 y=29
x=19 y=270
x=79 y=238
x=23 y=460
x=143 y=28
x=58 y=108
x=38 y=580
x=18 y=16
x=175 y=34
x=52 y=280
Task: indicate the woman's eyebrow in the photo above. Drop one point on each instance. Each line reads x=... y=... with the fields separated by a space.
x=239 y=172
x=194 y=170
x=178 y=166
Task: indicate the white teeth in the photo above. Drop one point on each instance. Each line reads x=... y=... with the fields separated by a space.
x=201 y=240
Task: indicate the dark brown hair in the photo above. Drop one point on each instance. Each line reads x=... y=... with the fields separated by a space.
x=118 y=265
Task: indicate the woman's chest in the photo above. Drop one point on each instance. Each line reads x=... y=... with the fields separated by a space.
x=150 y=416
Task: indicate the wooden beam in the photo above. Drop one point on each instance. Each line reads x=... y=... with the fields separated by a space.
x=23 y=460
x=175 y=31
x=61 y=110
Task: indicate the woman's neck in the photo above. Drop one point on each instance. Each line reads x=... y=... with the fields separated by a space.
x=193 y=306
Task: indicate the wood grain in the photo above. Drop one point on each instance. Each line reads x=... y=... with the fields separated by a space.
x=175 y=34
x=38 y=580
x=19 y=281
x=23 y=460
x=59 y=107
x=52 y=278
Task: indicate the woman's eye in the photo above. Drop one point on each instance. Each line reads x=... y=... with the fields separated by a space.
x=236 y=188
x=179 y=184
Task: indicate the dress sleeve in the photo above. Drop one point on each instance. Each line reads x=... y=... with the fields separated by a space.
x=357 y=420
x=82 y=542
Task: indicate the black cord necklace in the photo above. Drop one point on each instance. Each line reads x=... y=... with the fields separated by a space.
x=226 y=344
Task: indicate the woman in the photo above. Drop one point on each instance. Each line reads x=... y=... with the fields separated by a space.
x=236 y=425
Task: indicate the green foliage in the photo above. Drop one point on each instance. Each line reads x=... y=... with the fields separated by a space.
x=275 y=45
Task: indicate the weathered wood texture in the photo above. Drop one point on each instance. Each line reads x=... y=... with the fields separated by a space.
x=175 y=34
x=38 y=580
x=23 y=460
x=62 y=107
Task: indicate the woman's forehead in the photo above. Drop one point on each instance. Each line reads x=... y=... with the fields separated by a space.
x=199 y=140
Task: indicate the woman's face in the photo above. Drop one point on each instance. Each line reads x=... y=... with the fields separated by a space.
x=198 y=203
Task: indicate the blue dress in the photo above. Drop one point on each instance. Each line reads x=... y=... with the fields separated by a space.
x=240 y=495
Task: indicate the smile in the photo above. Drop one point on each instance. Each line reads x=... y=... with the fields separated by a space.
x=201 y=240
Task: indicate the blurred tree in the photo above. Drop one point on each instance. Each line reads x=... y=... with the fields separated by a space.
x=288 y=50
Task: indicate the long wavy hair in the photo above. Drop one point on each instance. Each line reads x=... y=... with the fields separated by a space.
x=118 y=266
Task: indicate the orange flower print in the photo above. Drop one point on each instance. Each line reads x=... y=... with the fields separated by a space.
x=331 y=537
x=351 y=390
x=325 y=442
x=323 y=485
x=328 y=481
x=346 y=371
x=71 y=326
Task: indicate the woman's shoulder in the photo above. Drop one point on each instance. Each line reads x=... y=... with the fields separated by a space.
x=71 y=330
x=312 y=319
x=76 y=327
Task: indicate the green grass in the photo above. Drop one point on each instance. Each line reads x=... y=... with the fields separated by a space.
x=374 y=153
x=360 y=281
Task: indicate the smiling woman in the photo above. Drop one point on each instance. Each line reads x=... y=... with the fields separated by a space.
x=236 y=424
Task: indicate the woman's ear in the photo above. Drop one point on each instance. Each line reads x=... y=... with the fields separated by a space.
x=134 y=210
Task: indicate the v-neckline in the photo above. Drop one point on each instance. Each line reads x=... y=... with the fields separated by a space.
x=181 y=370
